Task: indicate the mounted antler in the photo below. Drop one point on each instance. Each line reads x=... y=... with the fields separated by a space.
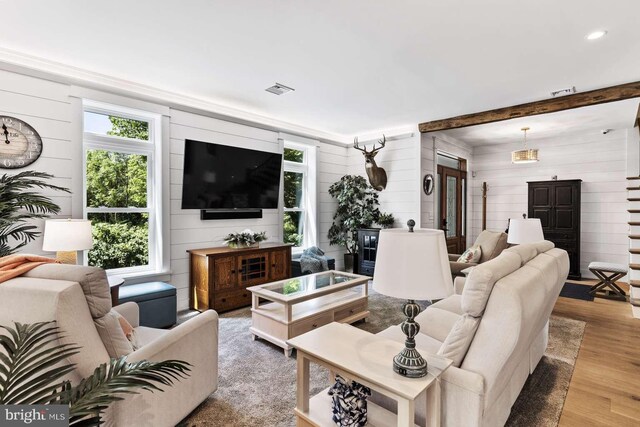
x=377 y=176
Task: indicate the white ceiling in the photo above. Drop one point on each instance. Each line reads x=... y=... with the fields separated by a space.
x=356 y=65
x=613 y=115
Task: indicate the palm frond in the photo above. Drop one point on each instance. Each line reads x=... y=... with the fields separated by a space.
x=19 y=205
x=31 y=367
x=118 y=377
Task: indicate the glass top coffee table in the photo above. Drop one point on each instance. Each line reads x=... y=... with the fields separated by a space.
x=288 y=308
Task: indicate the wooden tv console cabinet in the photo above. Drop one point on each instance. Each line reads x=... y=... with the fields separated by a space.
x=219 y=277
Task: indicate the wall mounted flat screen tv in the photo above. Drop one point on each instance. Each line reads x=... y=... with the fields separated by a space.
x=223 y=177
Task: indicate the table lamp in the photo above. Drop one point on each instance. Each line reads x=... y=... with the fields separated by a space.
x=412 y=265
x=524 y=230
x=67 y=237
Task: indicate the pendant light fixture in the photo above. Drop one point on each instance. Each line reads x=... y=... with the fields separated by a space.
x=526 y=155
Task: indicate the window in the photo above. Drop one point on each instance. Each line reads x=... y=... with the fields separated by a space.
x=299 y=195
x=121 y=188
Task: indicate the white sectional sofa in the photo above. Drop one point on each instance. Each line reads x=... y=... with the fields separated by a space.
x=495 y=327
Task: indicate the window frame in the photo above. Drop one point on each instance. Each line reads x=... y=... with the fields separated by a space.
x=309 y=204
x=151 y=149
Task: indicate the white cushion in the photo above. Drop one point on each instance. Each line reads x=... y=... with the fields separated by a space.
x=112 y=335
x=436 y=323
x=480 y=282
x=471 y=255
x=544 y=246
x=526 y=252
x=457 y=343
x=608 y=266
x=452 y=304
x=423 y=342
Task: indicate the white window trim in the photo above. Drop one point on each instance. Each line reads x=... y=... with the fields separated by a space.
x=309 y=204
x=152 y=148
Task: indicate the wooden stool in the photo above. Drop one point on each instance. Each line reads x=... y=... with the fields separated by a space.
x=608 y=273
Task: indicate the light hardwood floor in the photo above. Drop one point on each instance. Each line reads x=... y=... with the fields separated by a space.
x=605 y=387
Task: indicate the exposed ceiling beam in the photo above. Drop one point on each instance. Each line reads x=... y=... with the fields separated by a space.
x=584 y=99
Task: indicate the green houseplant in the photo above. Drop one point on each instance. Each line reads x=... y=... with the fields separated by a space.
x=33 y=367
x=385 y=220
x=19 y=205
x=357 y=208
x=245 y=239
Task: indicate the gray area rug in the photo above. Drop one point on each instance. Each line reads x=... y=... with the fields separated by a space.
x=257 y=383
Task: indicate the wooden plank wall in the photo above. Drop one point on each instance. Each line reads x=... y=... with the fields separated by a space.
x=332 y=165
x=401 y=160
x=46 y=106
x=188 y=231
x=599 y=160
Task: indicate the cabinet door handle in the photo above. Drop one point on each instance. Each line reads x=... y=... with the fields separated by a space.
x=233 y=272
x=224 y=300
x=244 y=295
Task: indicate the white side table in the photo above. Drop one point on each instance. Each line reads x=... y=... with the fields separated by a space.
x=360 y=356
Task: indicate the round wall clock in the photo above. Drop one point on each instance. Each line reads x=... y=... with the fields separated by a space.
x=20 y=144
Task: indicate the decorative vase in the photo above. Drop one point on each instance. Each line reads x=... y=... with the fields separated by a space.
x=350 y=262
x=349 y=403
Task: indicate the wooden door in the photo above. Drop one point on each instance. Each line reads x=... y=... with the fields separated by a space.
x=279 y=260
x=452 y=215
x=224 y=273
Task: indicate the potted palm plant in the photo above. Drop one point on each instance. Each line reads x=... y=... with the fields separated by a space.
x=357 y=208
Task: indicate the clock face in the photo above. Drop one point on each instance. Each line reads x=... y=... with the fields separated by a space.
x=20 y=144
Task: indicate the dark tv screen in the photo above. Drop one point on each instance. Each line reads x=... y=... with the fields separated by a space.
x=222 y=177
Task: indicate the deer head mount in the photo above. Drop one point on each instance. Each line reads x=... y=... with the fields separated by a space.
x=377 y=175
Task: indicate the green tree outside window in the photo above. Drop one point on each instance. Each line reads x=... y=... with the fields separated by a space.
x=119 y=180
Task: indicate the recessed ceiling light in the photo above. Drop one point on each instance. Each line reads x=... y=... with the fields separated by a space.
x=279 y=89
x=596 y=35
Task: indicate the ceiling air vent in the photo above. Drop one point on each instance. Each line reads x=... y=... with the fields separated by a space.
x=279 y=89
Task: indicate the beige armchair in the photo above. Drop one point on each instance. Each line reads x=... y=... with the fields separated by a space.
x=78 y=299
x=491 y=243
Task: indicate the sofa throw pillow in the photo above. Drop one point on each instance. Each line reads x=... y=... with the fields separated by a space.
x=113 y=337
x=471 y=255
x=129 y=331
x=457 y=343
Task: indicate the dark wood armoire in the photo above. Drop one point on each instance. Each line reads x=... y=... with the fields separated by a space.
x=557 y=204
x=367 y=250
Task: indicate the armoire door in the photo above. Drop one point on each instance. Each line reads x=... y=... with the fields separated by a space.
x=557 y=205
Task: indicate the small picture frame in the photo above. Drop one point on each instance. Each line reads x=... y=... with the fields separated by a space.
x=427 y=184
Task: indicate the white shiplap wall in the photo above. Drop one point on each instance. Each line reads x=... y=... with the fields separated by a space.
x=427 y=166
x=599 y=160
x=47 y=107
x=332 y=165
x=188 y=231
x=401 y=160
x=433 y=143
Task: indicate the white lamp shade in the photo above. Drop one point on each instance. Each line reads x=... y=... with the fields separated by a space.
x=527 y=230
x=413 y=265
x=61 y=235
